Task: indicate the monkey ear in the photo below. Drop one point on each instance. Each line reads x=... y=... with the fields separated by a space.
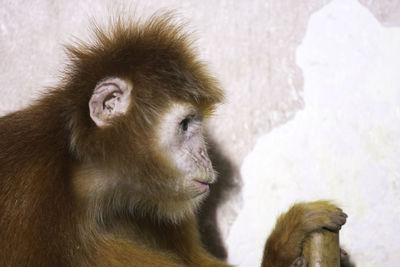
x=110 y=98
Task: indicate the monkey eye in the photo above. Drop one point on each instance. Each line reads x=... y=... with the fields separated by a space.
x=184 y=124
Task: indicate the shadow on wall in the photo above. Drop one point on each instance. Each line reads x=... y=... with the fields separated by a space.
x=227 y=186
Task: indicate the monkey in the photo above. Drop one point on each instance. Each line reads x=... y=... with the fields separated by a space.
x=109 y=167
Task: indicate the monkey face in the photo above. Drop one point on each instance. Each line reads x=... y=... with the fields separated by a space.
x=183 y=147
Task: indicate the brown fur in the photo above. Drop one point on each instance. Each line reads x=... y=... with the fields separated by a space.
x=54 y=209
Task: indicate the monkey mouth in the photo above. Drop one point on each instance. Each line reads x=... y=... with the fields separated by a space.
x=204 y=186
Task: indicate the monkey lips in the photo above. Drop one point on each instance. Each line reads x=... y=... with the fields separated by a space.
x=204 y=186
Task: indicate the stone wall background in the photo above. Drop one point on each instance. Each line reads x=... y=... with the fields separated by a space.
x=312 y=108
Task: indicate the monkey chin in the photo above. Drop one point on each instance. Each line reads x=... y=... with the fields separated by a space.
x=177 y=210
x=200 y=190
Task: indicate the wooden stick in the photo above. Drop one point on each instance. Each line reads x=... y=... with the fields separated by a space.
x=322 y=249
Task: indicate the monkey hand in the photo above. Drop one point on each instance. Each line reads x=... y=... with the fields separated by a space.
x=313 y=216
x=283 y=246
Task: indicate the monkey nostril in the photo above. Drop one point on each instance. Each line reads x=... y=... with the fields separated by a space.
x=203 y=154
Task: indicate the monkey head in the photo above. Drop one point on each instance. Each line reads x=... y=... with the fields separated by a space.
x=139 y=129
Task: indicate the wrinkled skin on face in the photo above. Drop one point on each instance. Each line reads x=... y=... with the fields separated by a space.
x=184 y=149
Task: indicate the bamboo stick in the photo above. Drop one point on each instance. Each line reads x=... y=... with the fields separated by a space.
x=322 y=249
